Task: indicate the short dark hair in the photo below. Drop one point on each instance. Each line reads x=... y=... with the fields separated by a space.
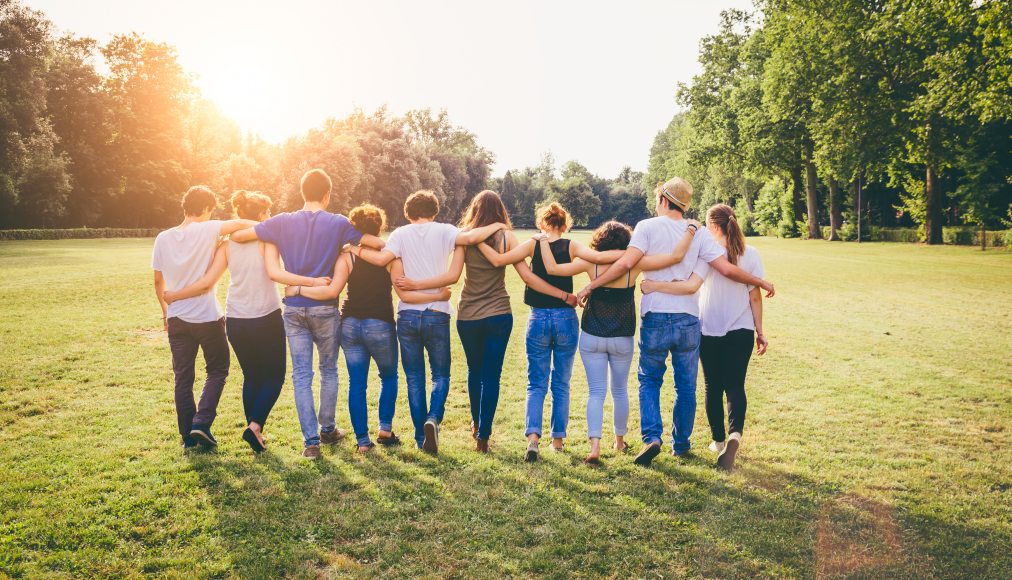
x=368 y=219
x=611 y=235
x=421 y=204
x=315 y=185
x=197 y=199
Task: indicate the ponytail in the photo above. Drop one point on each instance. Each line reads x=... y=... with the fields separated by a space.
x=723 y=217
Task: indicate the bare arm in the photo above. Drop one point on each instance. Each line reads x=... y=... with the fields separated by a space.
x=578 y=250
x=329 y=292
x=556 y=269
x=272 y=262
x=412 y=296
x=244 y=236
x=159 y=291
x=478 y=235
x=676 y=287
x=755 y=300
x=735 y=273
x=537 y=284
x=232 y=226
x=518 y=253
x=660 y=261
x=204 y=285
x=371 y=241
x=379 y=258
x=448 y=279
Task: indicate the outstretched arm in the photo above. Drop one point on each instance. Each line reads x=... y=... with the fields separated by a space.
x=371 y=241
x=627 y=262
x=206 y=282
x=735 y=273
x=755 y=299
x=578 y=250
x=272 y=262
x=229 y=227
x=478 y=235
x=519 y=253
x=448 y=279
x=660 y=261
x=329 y=292
x=413 y=296
x=537 y=284
x=379 y=258
x=676 y=287
x=244 y=236
x=556 y=269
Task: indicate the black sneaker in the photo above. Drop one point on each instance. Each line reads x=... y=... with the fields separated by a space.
x=532 y=452
x=203 y=436
x=189 y=442
x=251 y=438
x=647 y=455
x=431 y=442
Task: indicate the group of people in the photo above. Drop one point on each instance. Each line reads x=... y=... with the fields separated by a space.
x=316 y=255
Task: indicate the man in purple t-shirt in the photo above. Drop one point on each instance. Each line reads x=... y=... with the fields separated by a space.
x=310 y=241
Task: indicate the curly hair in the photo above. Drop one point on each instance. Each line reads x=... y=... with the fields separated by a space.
x=368 y=219
x=422 y=204
x=611 y=235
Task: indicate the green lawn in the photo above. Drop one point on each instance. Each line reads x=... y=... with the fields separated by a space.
x=878 y=444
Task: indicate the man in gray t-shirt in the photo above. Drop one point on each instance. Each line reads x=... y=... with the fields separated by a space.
x=180 y=257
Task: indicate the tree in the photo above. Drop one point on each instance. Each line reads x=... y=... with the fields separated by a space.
x=576 y=195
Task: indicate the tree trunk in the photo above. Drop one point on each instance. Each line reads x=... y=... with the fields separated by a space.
x=798 y=189
x=983 y=236
x=814 y=231
x=835 y=218
x=933 y=207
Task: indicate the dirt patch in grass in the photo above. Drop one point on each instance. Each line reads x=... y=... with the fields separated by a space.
x=856 y=535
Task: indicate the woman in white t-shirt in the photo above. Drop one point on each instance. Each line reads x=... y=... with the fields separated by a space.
x=731 y=316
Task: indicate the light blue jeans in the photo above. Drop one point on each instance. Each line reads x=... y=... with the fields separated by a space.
x=422 y=332
x=552 y=337
x=662 y=334
x=365 y=340
x=306 y=326
x=601 y=354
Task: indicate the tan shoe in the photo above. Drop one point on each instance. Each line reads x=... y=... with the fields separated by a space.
x=329 y=438
x=311 y=452
x=481 y=445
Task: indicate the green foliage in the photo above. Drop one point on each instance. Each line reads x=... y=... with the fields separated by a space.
x=575 y=194
x=78 y=233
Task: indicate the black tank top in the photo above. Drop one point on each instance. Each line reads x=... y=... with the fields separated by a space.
x=368 y=293
x=610 y=312
x=535 y=299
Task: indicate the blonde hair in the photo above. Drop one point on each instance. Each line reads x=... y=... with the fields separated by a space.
x=554 y=216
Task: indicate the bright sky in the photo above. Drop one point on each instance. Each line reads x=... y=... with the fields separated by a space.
x=587 y=80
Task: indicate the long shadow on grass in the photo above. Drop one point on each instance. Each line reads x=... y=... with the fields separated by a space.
x=402 y=512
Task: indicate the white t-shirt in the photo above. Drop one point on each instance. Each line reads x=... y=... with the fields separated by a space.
x=425 y=251
x=660 y=235
x=182 y=255
x=724 y=303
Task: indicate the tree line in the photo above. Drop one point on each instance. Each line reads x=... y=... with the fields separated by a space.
x=118 y=148
x=850 y=113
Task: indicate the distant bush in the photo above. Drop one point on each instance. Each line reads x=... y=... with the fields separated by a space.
x=907 y=235
x=79 y=233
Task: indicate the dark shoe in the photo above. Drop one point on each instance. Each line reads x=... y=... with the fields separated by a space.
x=251 y=438
x=393 y=439
x=189 y=442
x=647 y=454
x=474 y=430
x=203 y=436
x=532 y=452
x=481 y=445
x=311 y=452
x=331 y=437
x=725 y=460
x=431 y=442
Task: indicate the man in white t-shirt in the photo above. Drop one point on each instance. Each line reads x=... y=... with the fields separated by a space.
x=670 y=323
x=421 y=251
x=180 y=257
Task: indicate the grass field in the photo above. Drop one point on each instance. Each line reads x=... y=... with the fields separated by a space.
x=878 y=443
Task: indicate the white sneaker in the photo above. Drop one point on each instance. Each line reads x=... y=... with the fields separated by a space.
x=717 y=446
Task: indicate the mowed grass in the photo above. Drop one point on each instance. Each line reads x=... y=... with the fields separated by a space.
x=877 y=444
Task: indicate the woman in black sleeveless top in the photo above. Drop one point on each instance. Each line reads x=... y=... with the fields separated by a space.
x=609 y=324
x=368 y=331
x=552 y=327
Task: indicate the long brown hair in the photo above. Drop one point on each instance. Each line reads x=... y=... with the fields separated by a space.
x=485 y=208
x=722 y=216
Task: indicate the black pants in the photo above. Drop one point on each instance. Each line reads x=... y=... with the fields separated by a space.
x=184 y=340
x=259 y=344
x=725 y=362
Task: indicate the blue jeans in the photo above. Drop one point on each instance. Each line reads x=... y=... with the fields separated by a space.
x=422 y=331
x=601 y=354
x=306 y=326
x=365 y=340
x=660 y=334
x=484 y=343
x=552 y=338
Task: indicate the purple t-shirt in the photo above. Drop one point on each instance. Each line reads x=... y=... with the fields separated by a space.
x=309 y=243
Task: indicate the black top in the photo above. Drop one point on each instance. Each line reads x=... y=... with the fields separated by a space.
x=368 y=293
x=611 y=312
x=535 y=299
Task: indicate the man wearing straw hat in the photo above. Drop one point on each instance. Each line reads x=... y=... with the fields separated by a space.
x=670 y=323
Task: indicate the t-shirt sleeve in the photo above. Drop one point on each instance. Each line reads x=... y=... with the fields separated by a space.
x=347 y=234
x=269 y=231
x=156 y=256
x=450 y=233
x=754 y=264
x=641 y=237
x=394 y=243
x=709 y=250
x=702 y=269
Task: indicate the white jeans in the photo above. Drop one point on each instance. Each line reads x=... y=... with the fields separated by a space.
x=600 y=355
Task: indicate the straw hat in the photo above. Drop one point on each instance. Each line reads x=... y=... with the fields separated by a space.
x=677 y=191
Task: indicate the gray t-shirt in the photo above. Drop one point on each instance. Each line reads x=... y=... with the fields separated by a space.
x=182 y=255
x=425 y=251
x=659 y=235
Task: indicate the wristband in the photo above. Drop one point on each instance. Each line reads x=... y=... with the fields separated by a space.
x=692 y=227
